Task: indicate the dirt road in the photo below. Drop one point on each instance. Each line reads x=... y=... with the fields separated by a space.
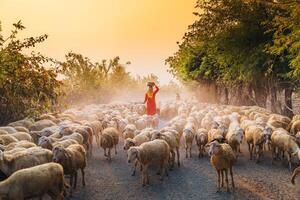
x=195 y=179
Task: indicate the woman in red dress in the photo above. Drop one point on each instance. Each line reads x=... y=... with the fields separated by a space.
x=150 y=98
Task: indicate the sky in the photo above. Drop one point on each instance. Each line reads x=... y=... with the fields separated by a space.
x=143 y=32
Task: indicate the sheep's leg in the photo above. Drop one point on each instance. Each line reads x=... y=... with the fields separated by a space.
x=82 y=174
x=289 y=161
x=190 y=150
x=105 y=152
x=222 y=178
x=109 y=154
x=116 y=150
x=199 y=149
x=75 y=182
x=226 y=179
x=173 y=158
x=145 y=178
x=178 y=156
x=252 y=150
x=273 y=155
x=231 y=174
x=71 y=185
x=186 y=151
x=249 y=148
x=218 y=171
x=134 y=168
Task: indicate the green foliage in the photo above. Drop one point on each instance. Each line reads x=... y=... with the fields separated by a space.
x=236 y=44
x=26 y=86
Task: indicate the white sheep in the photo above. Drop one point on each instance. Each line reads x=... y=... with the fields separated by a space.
x=153 y=152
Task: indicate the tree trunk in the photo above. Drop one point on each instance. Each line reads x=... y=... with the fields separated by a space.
x=226 y=100
x=273 y=93
x=260 y=96
x=288 y=107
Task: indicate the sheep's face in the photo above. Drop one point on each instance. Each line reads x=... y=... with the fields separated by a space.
x=132 y=155
x=213 y=148
x=128 y=143
x=59 y=154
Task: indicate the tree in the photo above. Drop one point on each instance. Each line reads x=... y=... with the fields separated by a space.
x=27 y=87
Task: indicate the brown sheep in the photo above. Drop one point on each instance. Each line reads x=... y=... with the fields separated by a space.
x=222 y=158
x=201 y=138
x=72 y=159
x=21 y=129
x=153 y=152
x=108 y=140
x=254 y=136
x=34 y=182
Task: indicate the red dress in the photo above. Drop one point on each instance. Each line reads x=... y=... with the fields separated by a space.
x=151 y=105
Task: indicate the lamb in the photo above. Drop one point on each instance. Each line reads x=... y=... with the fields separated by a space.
x=34 y=182
x=188 y=137
x=136 y=141
x=295 y=127
x=108 y=140
x=72 y=159
x=222 y=158
x=7 y=139
x=9 y=163
x=153 y=152
x=21 y=136
x=254 y=135
x=173 y=143
x=282 y=141
x=296 y=171
x=129 y=131
x=201 y=138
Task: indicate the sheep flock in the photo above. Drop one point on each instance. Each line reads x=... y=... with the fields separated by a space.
x=41 y=157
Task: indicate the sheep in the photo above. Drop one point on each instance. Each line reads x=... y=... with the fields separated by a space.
x=34 y=182
x=141 y=124
x=201 y=138
x=74 y=136
x=8 y=129
x=9 y=163
x=7 y=139
x=152 y=152
x=173 y=143
x=24 y=144
x=108 y=140
x=72 y=159
x=21 y=129
x=41 y=124
x=48 y=143
x=254 y=135
x=129 y=131
x=295 y=127
x=97 y=129
x=27 y=123
x=215 y=134
x=3 y=132
x=21 y=136
x=136 y=141
x=282 y=141
x=188 y=137
x=222 y=158
x=235 y=134
x=296 y=171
